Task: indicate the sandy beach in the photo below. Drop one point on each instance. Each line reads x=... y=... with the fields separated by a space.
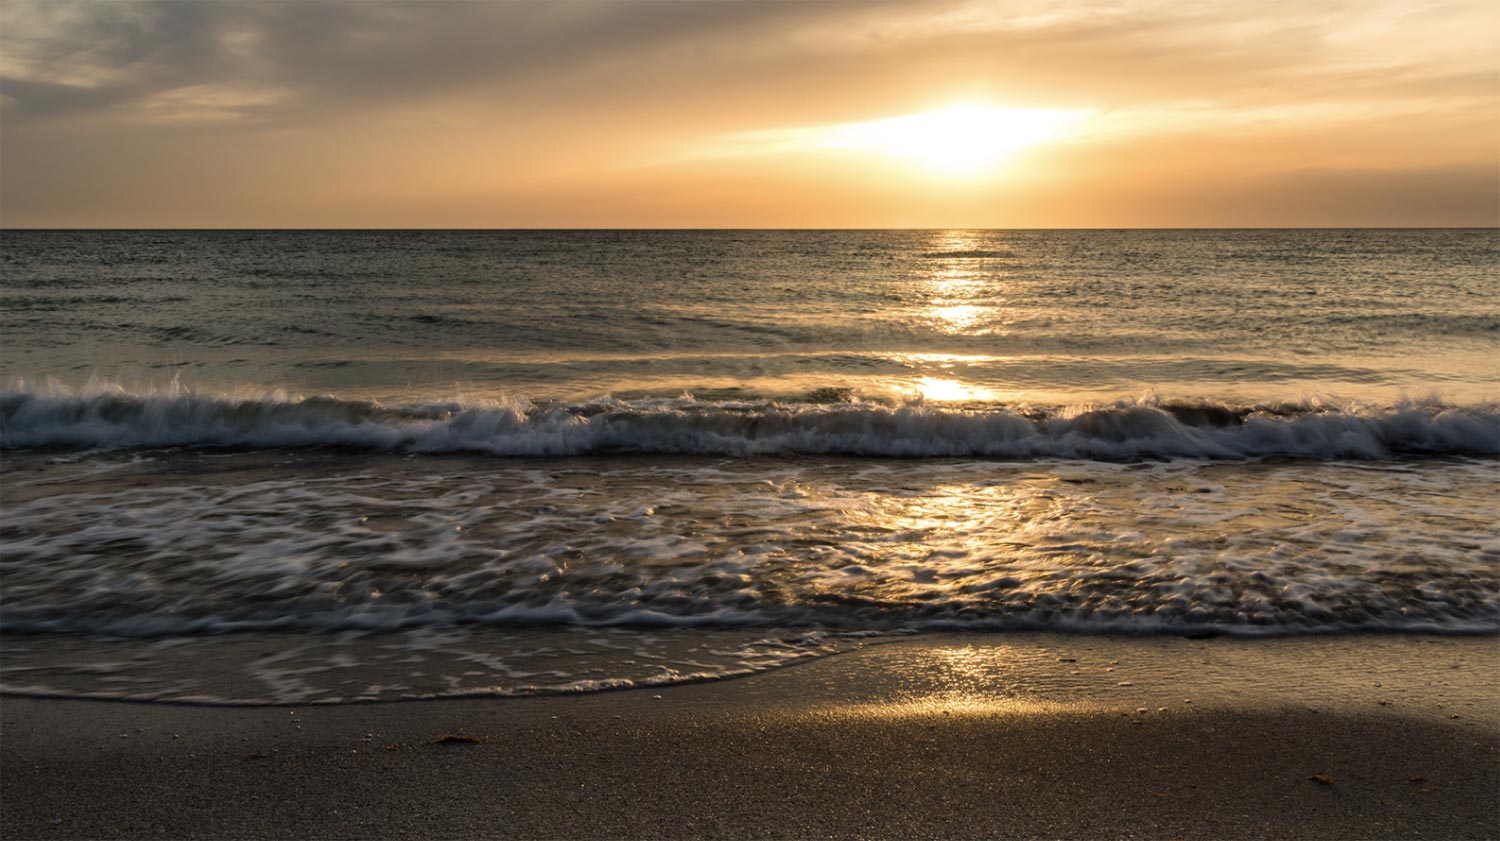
x=1035 y=735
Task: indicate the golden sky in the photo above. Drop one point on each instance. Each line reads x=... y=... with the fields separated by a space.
x=745 y=114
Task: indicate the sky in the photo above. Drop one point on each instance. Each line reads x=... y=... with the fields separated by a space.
x=949 y=113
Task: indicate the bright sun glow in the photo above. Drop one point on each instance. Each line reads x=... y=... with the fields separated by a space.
x=958 y=139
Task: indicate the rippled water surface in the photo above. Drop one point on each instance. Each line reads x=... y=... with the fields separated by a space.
x=1056 y=316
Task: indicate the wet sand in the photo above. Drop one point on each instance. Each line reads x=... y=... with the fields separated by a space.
x=1013 y=736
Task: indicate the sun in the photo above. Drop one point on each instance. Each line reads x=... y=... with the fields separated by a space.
x=959 y=139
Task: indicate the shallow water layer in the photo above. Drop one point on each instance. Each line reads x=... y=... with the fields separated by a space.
x=187 y=542
x=354 y=667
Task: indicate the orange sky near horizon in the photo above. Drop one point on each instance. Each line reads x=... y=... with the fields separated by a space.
x=738 y=114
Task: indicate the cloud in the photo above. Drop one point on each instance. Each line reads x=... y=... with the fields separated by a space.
x=71 y=57
x=317 y=107
x=67 y=58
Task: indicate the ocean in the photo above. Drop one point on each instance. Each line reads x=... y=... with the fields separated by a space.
x=258 y=467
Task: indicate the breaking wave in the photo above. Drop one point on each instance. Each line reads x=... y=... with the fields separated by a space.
x=112 y=417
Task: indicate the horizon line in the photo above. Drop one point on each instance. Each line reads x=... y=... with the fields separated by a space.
x=686 y=229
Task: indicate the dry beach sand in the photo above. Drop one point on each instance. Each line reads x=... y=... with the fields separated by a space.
x=1030 y=735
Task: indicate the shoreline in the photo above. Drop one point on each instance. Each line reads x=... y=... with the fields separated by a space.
x=1026 y=735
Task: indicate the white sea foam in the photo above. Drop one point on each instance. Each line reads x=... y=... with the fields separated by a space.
x=105 y=416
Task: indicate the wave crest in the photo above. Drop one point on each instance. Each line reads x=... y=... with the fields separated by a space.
x=112 y=417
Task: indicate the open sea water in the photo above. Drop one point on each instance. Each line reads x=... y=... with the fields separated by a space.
x=272 y=467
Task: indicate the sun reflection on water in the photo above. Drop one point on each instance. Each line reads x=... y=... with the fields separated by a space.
x=959 y=291
x=956 y=297
x=958 y=318
x=946 y=390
